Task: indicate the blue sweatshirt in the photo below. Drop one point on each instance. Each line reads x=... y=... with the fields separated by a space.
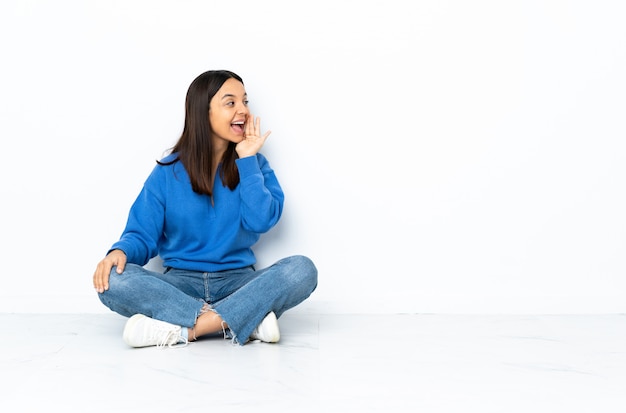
x=188 y=232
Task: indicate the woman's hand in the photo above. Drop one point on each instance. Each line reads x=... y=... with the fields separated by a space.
x=103 y=270
x=253 y=140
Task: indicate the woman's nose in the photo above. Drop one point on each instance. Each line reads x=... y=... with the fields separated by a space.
x=242 y=109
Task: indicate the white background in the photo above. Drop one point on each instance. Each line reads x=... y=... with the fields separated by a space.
x=437 y=156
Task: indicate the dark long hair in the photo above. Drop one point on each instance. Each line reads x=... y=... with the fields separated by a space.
x=194 y=147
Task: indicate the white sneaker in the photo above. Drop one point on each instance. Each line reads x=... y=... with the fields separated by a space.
x=268 y=330
x=143 y=331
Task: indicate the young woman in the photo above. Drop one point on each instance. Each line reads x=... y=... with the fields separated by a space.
x=201 y=210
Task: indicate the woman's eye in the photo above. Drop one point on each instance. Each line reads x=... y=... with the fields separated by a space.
x=245 y=102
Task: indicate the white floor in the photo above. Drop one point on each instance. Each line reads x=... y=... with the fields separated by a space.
x=323 y=363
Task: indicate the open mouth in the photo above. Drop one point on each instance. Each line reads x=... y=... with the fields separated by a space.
x=237 y=126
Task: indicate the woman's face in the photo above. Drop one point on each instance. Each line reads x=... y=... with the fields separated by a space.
x=228 y=112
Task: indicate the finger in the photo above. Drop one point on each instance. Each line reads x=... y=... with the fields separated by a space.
x=100 y=280
x=257 y=126
x=121 y=264
x=250 y=125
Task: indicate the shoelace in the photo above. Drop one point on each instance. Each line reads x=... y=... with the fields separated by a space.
x=167 y=340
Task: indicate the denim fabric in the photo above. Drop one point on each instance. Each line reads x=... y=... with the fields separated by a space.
x=242 y=297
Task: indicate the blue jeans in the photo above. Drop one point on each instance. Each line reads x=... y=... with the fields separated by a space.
x=242 y=297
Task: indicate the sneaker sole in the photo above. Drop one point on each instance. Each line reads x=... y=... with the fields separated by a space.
x=130 y=324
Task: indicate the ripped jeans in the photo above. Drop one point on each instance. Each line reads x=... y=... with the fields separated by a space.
x=242 y=297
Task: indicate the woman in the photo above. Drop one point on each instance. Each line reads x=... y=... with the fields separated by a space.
x=201 y=210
